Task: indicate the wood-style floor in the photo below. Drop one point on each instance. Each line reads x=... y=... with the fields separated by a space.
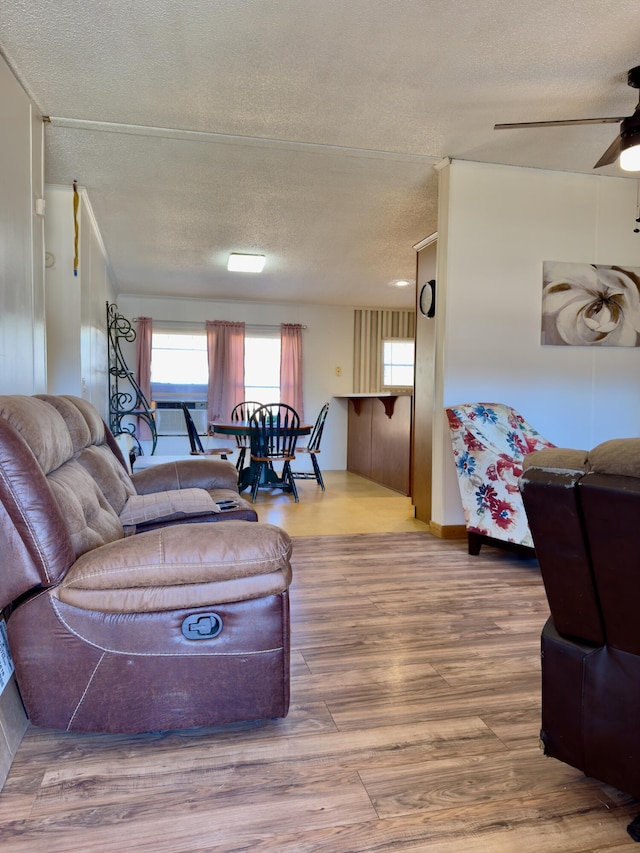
x=349 y=504
x=413 y=726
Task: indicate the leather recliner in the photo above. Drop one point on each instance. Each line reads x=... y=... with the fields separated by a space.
x=127 y=609
x=583 y=510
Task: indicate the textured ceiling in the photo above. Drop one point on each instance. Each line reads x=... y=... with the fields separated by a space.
x=313 y=126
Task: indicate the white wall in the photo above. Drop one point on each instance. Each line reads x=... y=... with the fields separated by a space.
x=498 y=224
x=22 y=315
x=327 y=344
x=22 y=327
x=76 y=305
x=53 y=334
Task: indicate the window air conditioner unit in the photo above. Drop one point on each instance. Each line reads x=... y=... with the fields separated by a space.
x=171 y=421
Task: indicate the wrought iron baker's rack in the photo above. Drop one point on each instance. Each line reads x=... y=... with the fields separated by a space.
x=126 y=399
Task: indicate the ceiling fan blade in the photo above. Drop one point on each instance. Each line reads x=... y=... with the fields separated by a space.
x=562 y=123
x=611 y=154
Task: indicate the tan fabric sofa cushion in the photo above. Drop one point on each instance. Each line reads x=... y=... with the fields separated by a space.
x=73 y=418
x=170 y=568
x=103 y=467
x=617 y=456
x=90 y=518
x=89 y=440
x=41 y=427
x=198 y=472
x=558 y=458
x=167 y=506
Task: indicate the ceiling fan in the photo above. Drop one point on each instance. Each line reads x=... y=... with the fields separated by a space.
x=626 y=145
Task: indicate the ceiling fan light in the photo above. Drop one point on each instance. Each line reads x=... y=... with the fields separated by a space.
x=630 y=158
x=245 y=263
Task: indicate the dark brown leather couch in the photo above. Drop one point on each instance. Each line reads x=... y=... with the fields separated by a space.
x=125 y=612
x=584 y=514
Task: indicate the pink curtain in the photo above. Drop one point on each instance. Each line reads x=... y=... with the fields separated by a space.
x=225 y=351
x=291 y=366
x=144 y=335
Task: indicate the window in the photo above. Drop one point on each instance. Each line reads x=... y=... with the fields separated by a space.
x=397 y=363
x=179 y=368
x=262 y=368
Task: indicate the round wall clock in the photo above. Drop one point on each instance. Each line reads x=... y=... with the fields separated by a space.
x=427 y=299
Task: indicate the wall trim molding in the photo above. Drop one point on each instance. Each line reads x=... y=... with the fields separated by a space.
x=426 y=242
x=448 y=531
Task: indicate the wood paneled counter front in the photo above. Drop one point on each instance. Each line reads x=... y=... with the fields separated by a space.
x=379 y=438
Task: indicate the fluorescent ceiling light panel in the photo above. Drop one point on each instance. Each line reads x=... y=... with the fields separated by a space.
x=245 y=263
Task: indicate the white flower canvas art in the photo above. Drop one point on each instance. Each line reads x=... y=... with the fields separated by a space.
x=590 y=305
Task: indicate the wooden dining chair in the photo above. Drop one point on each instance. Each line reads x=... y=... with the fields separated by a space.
x=197 y=448
x=242 y=412
x=273 y=436
x=313 y=448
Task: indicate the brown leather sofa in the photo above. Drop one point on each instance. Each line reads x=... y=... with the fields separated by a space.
x=134 y=603
x=584 y=514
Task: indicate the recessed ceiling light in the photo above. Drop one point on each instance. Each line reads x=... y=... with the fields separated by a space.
x=245 y=263
x=401 y=282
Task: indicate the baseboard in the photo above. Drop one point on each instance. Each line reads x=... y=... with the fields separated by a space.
x=448 y=531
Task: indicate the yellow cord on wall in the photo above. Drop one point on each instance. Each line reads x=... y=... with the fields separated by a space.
x=76 y=201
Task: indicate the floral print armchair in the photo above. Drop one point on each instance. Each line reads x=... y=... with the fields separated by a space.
x=490 y=440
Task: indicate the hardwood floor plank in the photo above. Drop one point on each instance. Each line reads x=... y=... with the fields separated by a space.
x=438 y=704
x=515 y=726
x=388 y=746
x=596 y=831
x=491 y=781
x=396 y=681
x=414 y=721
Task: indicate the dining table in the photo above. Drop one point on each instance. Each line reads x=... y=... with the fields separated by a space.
x=243 y=428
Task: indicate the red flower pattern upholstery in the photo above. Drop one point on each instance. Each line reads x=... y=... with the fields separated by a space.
x=490 y=441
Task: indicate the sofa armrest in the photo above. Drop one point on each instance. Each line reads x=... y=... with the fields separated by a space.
x=620 y=456
x=557 y=459
x=550 y=487
x=180 y=567
x=201 y=472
